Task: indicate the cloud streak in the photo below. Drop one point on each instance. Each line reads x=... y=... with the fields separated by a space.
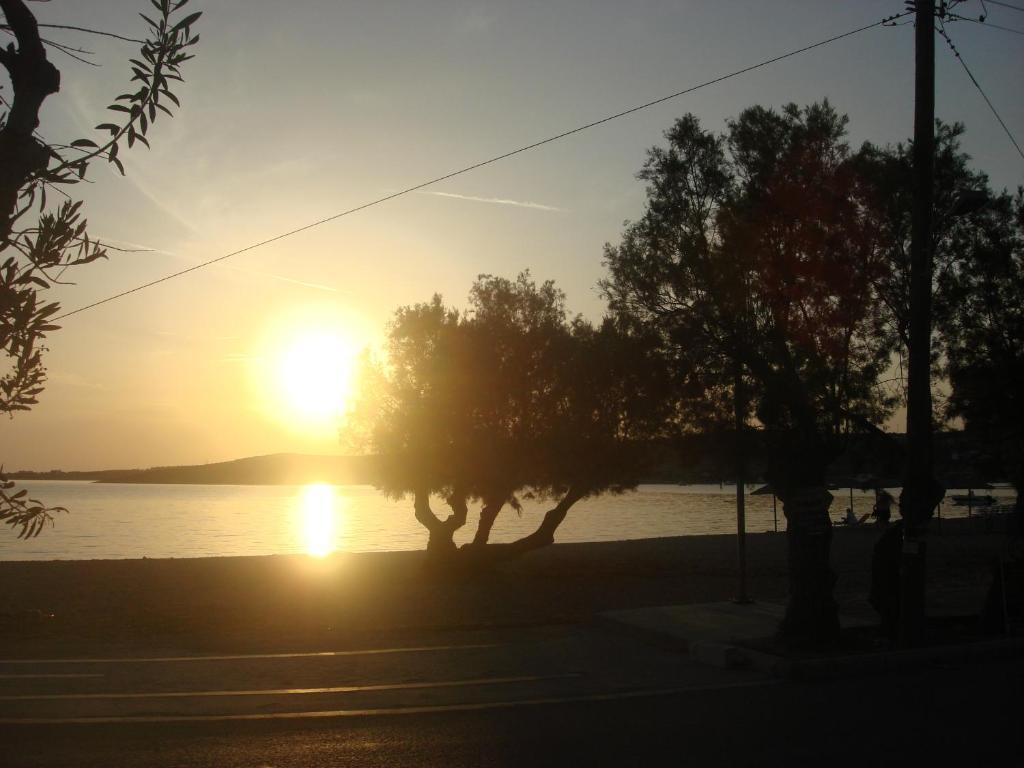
x=127 y=246
x=494 y=201
x=282 y=278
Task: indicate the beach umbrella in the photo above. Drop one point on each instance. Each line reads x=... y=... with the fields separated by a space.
x=863 y=481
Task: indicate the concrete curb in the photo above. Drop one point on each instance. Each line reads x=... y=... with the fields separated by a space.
x=885 y=662
x=715 y=633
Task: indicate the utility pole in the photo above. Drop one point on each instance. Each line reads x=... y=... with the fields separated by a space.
x=921 y=492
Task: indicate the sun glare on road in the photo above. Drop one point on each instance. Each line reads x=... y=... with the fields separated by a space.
x=319 y=516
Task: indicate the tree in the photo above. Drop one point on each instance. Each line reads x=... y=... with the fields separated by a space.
x=981 y=319
x=961 y=196
x=755 y=262
x=962 y=205
x=40 y=241
x=511 y=399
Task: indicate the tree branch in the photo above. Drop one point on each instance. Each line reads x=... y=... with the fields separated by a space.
x=86 y=30
x=24 y=26
x=488 y=514
x=545 y=533
x=424 y=514
x=460 y=511
x=33 y=79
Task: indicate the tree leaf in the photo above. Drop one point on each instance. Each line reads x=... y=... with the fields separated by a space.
x=187 y=21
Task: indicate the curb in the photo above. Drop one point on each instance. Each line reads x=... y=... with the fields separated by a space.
x=662 y=640
x=886 y=662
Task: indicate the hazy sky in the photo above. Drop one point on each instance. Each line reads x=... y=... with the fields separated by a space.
x=295 y=111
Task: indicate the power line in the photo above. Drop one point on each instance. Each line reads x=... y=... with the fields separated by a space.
x=1006 y=5
x=986 y=23
x=952 y=47
x=1005 y=29
x=482 y=163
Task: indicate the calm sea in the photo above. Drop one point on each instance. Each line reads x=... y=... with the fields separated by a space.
x=131 y=521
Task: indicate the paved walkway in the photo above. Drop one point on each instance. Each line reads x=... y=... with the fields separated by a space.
x=471 y=670
x=687 y=626
x=627 y=654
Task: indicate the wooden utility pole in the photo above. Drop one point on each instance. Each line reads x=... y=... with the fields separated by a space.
x=921 y=491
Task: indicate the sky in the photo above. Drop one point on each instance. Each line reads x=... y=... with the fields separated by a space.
x=292 y=112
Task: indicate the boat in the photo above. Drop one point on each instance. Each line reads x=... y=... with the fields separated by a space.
x=970 y=500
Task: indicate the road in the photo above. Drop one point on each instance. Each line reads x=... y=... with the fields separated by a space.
x=532 y=696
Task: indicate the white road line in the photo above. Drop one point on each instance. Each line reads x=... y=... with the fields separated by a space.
x=289 y=691
x=41 y=675
x=424 y=710
x=242 y=656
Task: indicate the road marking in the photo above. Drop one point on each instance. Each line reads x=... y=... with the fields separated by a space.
x=61 y=675
x=383 y=712
x=289 y=691
x=241 y=656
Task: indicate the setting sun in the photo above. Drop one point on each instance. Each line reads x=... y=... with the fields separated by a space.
x=301 y=367
x=314 y=374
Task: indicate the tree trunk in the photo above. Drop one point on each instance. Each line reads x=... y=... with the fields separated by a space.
x=812 y=616
x=441 y=549
x=441 y=533
x=33 y=78
x=798 y=475
x=488 y=514
x=545 y=533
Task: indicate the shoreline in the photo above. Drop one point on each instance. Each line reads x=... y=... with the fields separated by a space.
x=261 y=603
x=133 y=522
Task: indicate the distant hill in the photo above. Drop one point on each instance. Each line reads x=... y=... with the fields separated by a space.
x=276 y=469
x=699 y=458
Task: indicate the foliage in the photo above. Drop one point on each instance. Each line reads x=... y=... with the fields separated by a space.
x=19 y=511
x=757 y=263
x=981 y=318
x=960 y=197
x=753 y=254
x=39 y=242
x=978 y=345
x=512 y=398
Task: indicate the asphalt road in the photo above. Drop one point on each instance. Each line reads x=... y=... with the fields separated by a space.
x=548 y=696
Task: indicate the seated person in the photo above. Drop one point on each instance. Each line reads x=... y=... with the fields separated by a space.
x=851 y=519
x=882 y=511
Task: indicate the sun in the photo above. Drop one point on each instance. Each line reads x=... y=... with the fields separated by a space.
x=314 y=371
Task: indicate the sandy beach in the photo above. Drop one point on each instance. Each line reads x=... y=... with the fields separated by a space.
x=283 y=603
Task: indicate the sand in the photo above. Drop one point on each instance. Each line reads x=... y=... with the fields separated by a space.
x=298 y=603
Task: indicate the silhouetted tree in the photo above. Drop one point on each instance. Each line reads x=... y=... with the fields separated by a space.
x=961 y=196
x=975 y=242
x=961 y=231
x=981 y=320
x=754 y=258
x=511 y=399
x=40 y=241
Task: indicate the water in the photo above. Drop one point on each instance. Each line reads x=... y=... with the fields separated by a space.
x=131 y=521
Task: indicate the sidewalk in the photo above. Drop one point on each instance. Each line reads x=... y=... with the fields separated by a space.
x=728 y=634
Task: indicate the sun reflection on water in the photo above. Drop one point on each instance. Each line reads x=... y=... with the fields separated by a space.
x=319 y=519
